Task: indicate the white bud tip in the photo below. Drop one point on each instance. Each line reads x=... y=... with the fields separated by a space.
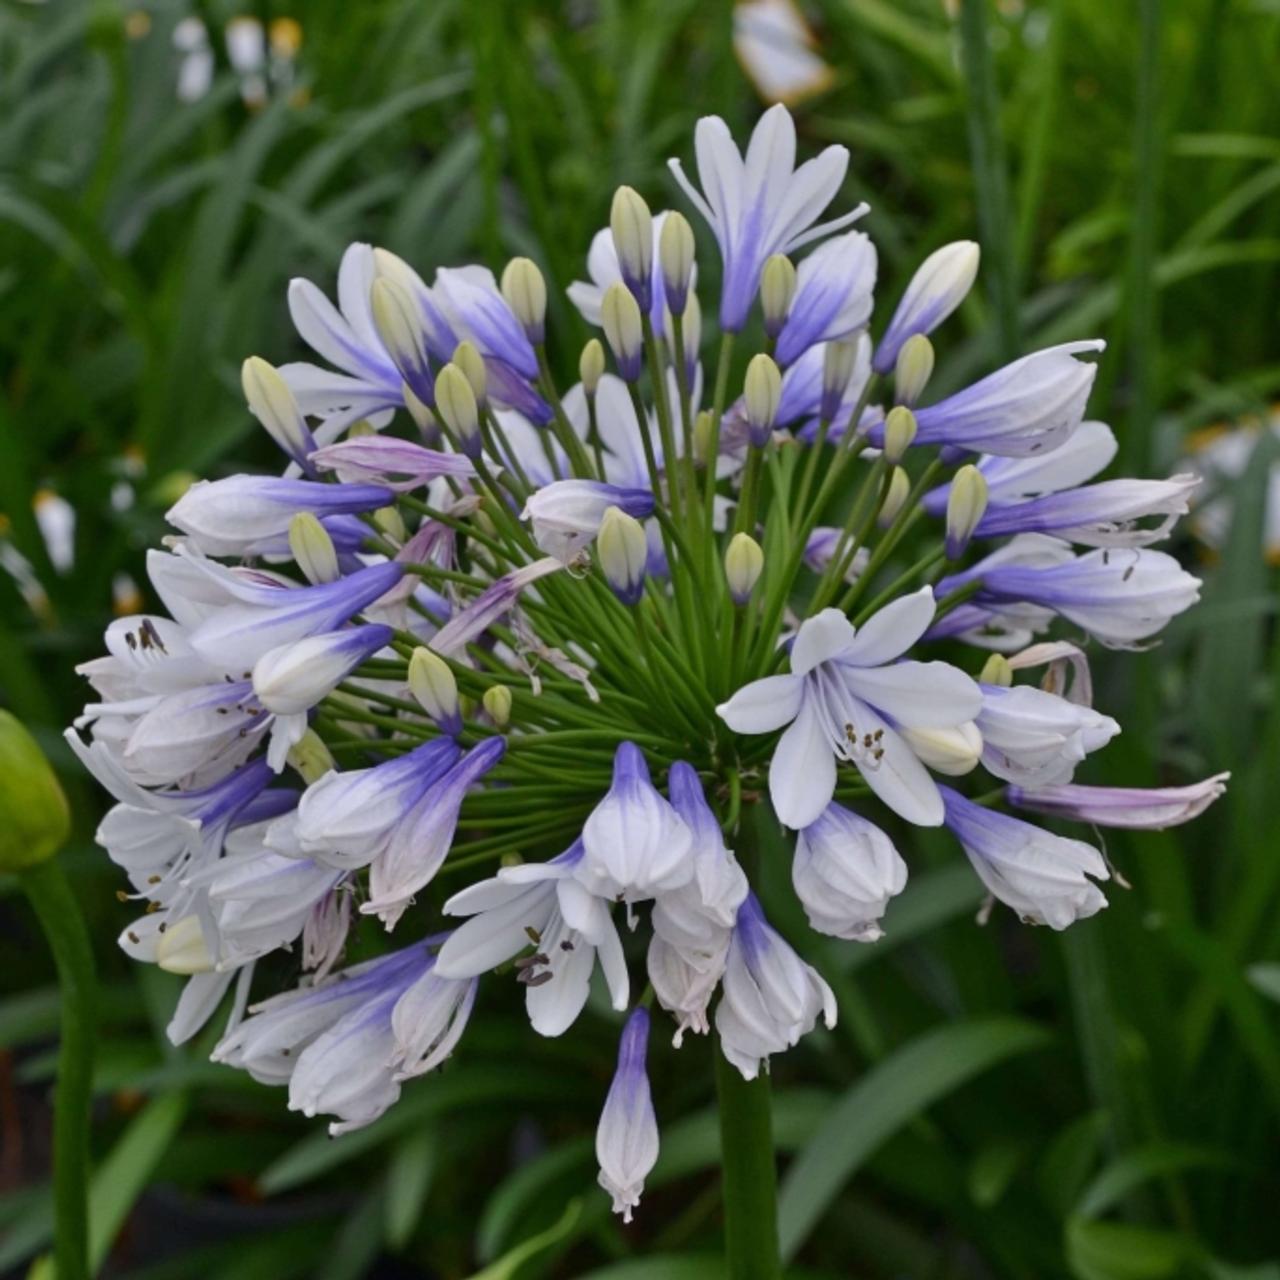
x=743 y=565
x=899 y=432
x=526 y=293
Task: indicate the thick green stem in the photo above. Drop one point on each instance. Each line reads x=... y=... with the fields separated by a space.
x=46 y=886
x=749 y=1174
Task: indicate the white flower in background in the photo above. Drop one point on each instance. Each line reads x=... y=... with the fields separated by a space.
x=777 y=50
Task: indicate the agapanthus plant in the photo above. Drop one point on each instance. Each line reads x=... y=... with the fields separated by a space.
x=518 y=669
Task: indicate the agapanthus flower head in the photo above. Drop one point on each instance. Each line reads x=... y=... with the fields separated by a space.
x=524 y=671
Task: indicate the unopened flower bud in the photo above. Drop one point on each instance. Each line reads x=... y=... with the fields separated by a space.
x=434 y=689
x=913 y=370
x=838 y=362
x=310 y=758
x=996 y=670
x=954 y=751
x=421 y=414
x=391 y=522
x=761 y=392
x=181 y=948
x=620 y=317
x=526 y=293
x=272 y=403
x=743 y=565
x=702 y=425
x=312 y=548
x=591 y=366
x=899 y=432
x=777 y=288
x=899 y=487
x=34 y=818
x=632 y=226
x=623 y=550
x=691 y=331
x=966 y=505
x=675 y=254
x=398 y=319
x=938 y=287
x=497 y=703
x=467 y=357
x=456 y=405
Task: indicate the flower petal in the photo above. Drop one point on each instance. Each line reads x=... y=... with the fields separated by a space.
x=802 y=776
x=763 y=705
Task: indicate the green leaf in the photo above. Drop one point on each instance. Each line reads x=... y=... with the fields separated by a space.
x=506 y=1267
x=898 y=1089
x=408 y=1181
x=1119 y=1251
x=1141 y=1165
x=124 y=1174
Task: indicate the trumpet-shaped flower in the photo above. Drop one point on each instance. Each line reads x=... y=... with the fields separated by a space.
x=234 y=516
x=542 y=906
x=1043 y=877
x=1028 y=407
x=771 y=997
x=845 y=699
x=760 y=204
x=635 y=844
x=845 y=871
x=1035 y=738
x=1119 y=597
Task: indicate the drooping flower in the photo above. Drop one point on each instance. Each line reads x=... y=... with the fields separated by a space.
x=635 y=844
x=771 y=997
x=566 y=514
x=1043 y=877
x=627 y=1136
x=845 y=871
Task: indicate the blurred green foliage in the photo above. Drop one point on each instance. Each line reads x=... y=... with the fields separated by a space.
x=994 y=1103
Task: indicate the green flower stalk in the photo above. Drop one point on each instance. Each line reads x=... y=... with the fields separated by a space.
x=34 y=824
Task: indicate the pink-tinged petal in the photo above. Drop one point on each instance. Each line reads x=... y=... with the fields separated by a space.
x=825 y=636
x=763 y=705
x=917 y=695
x=802 y=777
x=893 y=630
